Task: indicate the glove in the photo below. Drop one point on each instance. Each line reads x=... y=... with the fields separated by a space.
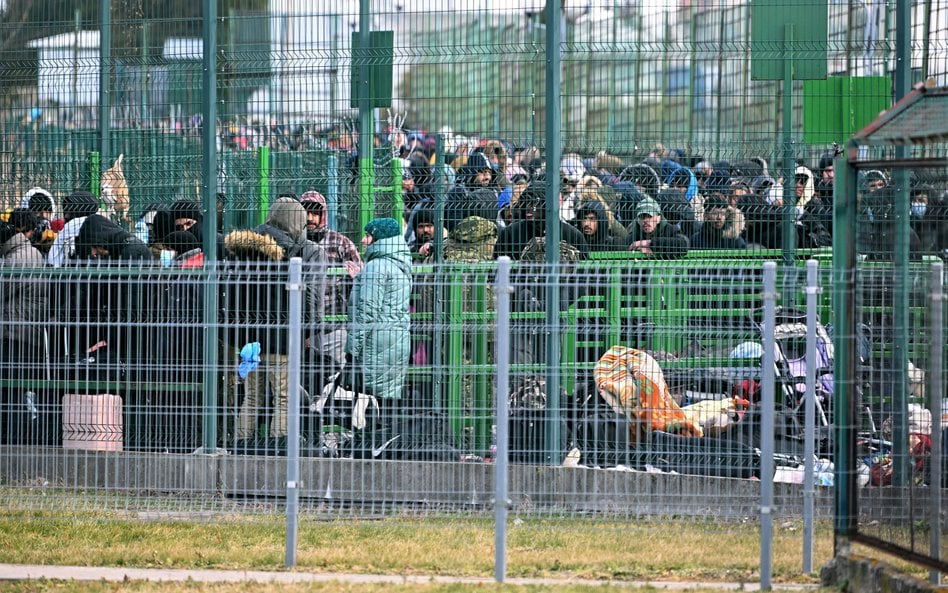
x=249 y=359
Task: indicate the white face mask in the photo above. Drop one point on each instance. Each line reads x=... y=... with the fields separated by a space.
x=919 y=208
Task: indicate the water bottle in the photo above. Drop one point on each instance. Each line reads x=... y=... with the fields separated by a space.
x=167 y=257
x=492 y=456
x=141 y=231
x=30 y=398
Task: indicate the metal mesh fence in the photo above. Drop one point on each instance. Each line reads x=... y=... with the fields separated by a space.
x=118 y=361
x=151 y=386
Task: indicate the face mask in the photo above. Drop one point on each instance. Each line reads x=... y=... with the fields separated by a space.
x=919 y=208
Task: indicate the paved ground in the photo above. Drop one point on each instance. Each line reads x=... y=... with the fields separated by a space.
x=87 y=573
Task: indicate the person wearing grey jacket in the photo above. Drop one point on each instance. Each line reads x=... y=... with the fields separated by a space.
x=24 y=299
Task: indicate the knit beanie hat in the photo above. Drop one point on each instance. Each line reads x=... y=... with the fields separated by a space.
x=383 y=228
x=80 y=203
x=423 y=216
x=288 y=215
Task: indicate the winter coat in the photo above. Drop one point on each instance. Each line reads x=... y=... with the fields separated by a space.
x=64 y=246
x=379 y=340
x=932 y=229
x=764 y=222
x=24 y=306
x=668 y=242
x=19 y=250
x=117 y=313
x=513 y=239
x=99 y=231
x=467 y=198
x=603 y=239
x=255 y=301
x=711 y=238
x=677 y=210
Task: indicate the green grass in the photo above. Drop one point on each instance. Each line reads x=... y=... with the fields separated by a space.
x=636 y=550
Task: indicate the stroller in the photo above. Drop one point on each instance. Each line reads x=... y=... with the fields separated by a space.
x=790 y=334
x=790 y=367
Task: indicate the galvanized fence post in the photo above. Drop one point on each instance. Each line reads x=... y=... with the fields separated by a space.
x=294 y=353
x=809 y=449
x=768 y=385
x=501 y=503
x=935 y=387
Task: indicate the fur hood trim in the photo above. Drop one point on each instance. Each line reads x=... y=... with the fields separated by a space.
x=253 y=245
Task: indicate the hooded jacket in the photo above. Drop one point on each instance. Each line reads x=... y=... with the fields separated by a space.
x=602 y=240
x=668 y=242
x=24 y=300
x=379 y=337
x=467 y=198
x=712 y=238
x=513 y=239
x=99 y=231
x=255 y=298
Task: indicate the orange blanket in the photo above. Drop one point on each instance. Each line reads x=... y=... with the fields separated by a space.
x=633 y=384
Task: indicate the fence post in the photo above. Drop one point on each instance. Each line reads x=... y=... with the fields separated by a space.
x=553 y=135
x=105 y=79
x=768 y=383
x=95 y=172
x=935 y=386
x=294 y=353
x=209 y=199
x=263 y=180
x=812 y=291
x=502 y=332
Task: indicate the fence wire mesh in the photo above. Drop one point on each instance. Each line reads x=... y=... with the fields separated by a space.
x=114 y=358
x=686 y=160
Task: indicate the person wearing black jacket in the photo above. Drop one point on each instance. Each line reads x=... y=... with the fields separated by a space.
x=255 y=306
x=929 y=219
x=100 y=238
x=714 y=232
x=531 y=222
x=593 y=222
x=652 y=235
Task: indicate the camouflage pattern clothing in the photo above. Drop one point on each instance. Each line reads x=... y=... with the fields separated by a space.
x=471 y=241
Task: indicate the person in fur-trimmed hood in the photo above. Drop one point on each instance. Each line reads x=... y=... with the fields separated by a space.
x=256 y=305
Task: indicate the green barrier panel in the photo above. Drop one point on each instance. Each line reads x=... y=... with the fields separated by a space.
x=671 y=294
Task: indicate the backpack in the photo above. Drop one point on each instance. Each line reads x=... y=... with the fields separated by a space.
x=535 y=251
x=528 y=422
x=601 y=435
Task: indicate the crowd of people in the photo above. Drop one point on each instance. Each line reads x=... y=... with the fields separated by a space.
x=254 y=302
x=661 y=205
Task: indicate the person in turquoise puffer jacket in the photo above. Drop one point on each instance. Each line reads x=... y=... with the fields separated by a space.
x=378 y=344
